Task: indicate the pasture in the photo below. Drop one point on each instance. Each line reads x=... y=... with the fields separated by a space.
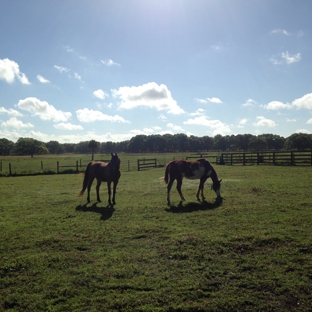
x=251 y=252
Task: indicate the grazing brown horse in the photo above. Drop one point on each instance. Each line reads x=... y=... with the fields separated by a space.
x=200 y=169
x=102 y=172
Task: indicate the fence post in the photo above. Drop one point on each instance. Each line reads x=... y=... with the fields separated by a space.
x=244 y=159
x=57 y=167
x=138 y=165
x=1 y=164
x=292 y=158
x=10 y=169
x=76 y=165
x=273 y=158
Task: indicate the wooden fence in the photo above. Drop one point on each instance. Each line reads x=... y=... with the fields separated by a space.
x=214 y=158
x=285 y=158
x=147 y=163
x=58 y=166
x=290 y=158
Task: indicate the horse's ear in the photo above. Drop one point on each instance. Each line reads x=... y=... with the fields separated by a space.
x=112 y=154
x=220 y=180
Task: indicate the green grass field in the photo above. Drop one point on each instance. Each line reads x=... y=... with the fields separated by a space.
x=252 y=252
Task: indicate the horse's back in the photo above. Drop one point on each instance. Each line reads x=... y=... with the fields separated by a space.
x=190 y=169
x=102 y=171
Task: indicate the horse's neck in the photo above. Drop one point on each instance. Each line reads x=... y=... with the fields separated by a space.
x=213 y=175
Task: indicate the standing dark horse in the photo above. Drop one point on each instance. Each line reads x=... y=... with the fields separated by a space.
x=200 y=169
x=102 y=172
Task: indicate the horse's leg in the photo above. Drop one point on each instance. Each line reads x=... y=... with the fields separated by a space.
x=179 y=185
x=168 y=190
x=201 y=188
x=98 y=184
x=89 y=188
x=109 y=192
x=114 y=191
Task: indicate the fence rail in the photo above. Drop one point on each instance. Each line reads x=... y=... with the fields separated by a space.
x=204 y=156
x=147 y=163
x=290 y=158
x=67 y=166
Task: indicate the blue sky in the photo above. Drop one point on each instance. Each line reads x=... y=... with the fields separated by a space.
x=73 y=71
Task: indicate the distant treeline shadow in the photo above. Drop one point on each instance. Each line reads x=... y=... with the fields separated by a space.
x=105 y=212
x=194 y=206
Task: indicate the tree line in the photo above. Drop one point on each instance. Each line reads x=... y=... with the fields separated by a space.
x=161 y=143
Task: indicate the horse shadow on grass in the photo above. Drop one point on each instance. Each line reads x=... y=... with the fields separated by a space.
x=105 y=212
x=194 y=206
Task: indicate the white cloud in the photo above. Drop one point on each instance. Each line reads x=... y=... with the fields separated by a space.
x=276 y=105
x=214 y=100
x=61 y=69
x=10 y=112
x=100 y=94
x=309 y=121
x=242 y=122
x=274 y=61
x=78 y=77
x=280 y=31
x=149 y=95
x=148 y=130
x=69 y=49
x=216 y=47
x=291 y=58
x=304 y=102
x=303 y=131
x=16 y=123
x=67 y=126
x=198 y=112
x=291 y=120
x=9 y=70
x=109 y=63
x=42 y=80
x=211 y=100
x=43 y=110
x=249 y=102
x=137 y=132
x=175 y=127
x=285 y=57
x=89 y=115
x=218 y=126
x=162 y=117
x=264 y=122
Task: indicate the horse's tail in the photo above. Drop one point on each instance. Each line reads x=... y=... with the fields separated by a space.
x=166 y=178
x=85 y=180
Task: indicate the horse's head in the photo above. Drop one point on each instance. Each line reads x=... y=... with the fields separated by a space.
x=115 y=162
x=216 y=186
